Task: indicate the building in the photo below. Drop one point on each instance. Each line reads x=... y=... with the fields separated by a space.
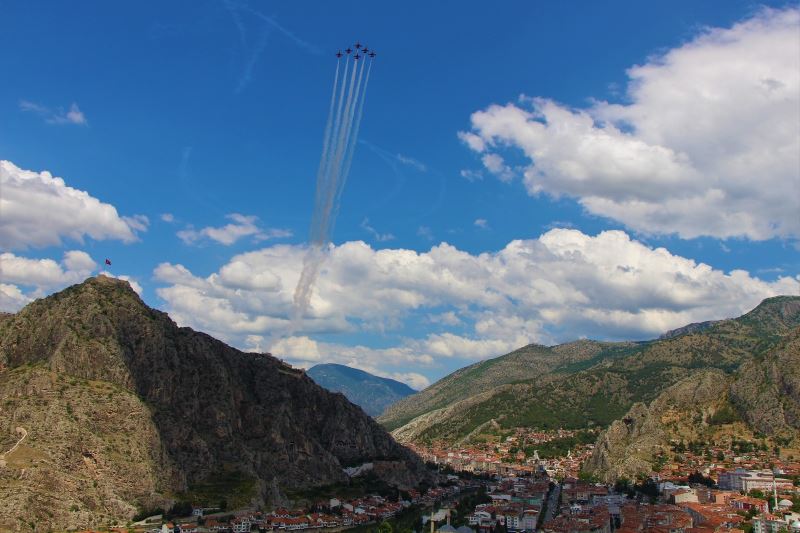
x=769 y=523
x=747 y=480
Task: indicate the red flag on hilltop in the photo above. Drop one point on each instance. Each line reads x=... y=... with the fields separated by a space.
x=108 y=262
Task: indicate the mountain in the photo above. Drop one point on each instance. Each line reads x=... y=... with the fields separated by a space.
x=372 y=393
x=527 y=363
x=586 y=383
x=761 y=398
x=107 y=407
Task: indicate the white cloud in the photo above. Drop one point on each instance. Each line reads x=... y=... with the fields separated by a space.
x=78 y=261
x=412 y=379
x=481 y=223
x=241 y=226
x=168 y=217
x=475 y=142
x=40 y=276
x=137 y=222
x=495 y=164
x=561 y=286
x=707 y=145
x=11 y=298
x=449 y=318
x=46 y=273
x=410 y=161
x=471 y=175
x=39 y=210
x=304 y=352
x=380 y=237
x=55 y=116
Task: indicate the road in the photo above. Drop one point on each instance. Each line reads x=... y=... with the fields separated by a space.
x=552 y=503
x=20 y=431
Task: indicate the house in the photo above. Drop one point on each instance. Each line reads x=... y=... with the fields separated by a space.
x=241 y=525
x=745 y=503
x=769 y=523
x=684 y=496
x=480 y=517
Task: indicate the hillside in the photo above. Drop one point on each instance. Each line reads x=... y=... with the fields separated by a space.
x=586 y=383
x=529 y=362
x=372 y=393
x=122 y=410
x=762 y=397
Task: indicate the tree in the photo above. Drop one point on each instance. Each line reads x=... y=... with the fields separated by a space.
x=500 y=528
x=697 y=477
x=181 y=508
x=648 y=488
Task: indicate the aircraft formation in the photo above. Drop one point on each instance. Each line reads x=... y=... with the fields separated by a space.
x=361 y=51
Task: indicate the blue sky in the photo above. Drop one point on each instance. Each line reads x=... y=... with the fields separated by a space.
x=212 y=113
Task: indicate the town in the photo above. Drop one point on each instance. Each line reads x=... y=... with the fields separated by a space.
x=500 y=485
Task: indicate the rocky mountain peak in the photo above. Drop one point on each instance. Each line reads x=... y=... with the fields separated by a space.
x=204 y=406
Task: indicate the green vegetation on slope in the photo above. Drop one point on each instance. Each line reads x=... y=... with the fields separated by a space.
x=586 y=384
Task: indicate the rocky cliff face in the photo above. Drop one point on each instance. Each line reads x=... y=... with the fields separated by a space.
x=764 y=393
x=629 y=446
x=766 y=390
x=183 y=404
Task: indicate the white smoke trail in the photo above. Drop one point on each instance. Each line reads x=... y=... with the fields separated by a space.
x=336 y=168
x=323 y=177
x=341 y=133
x=340 y=178
x=326 y=140
x=352 y=148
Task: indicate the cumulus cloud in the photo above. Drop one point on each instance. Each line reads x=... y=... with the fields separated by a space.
x=73 y=115
x=12 y=298
x=706 y=145
x=449 y=318
x=561 y=286
x=481 y=223
x=23 y=279
x=495 y=164
x=239 y=227
x=40 y=210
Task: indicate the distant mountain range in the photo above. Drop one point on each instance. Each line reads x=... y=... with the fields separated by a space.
x=108 y=408
x=372 y=393
x=746 y=367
